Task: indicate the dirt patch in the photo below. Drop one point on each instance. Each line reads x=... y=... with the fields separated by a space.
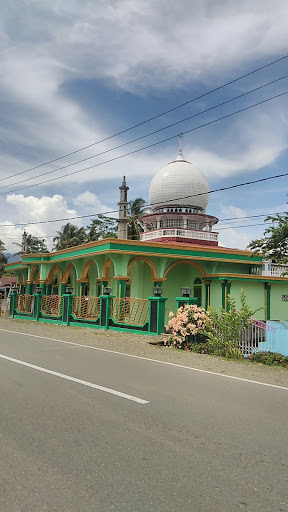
x=144 y=346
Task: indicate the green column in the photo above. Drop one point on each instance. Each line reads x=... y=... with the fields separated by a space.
x=207 y=294
x=62 y=289
x=105 y=309
x=121 y=285
x=226 y=287
x=13 y=299
x=67 y=308
x=36 y=306
x=42 y=284
x=100 y=285
x=48 y=289
x=267 y=287
x=29 y=288
x=156 y=314
x=81 y=288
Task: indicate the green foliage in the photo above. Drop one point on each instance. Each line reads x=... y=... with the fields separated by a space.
x=135 y=210
x=33 y=245
x=3 y=258
x=274 y=244
x=69 y=236
x=228 y=326
x=101 y=227
x=270 y=358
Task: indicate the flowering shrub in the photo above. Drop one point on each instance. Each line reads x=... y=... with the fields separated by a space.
x=189 y=321
x=270 y=358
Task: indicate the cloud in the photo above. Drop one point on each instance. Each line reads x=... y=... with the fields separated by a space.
x=34 y=209
x=90 y=202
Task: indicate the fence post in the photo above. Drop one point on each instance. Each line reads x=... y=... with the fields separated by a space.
x=156 y=314
x=37 y=305
x=182 y=301
x=105 y=308
x=67 y=308
x=13 y=299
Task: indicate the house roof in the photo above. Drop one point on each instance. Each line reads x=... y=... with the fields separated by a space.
x=6 y=281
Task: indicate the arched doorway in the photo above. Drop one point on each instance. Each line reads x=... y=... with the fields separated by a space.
x=89 y=277
x=142 y=273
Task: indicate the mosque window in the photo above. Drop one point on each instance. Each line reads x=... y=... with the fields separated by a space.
x=173 y=223
x=198 y=290
x=161 y=223
x=191 y=224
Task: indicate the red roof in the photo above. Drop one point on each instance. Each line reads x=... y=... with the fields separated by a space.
x=6 y=281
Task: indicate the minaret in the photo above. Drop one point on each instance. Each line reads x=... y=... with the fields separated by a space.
x=24 y=243
x=123 y=210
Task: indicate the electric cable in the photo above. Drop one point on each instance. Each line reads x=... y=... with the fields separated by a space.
x=51 y=171
x=151 y=118
x=150 y=145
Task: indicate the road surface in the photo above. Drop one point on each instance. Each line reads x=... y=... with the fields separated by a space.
x=86 y=430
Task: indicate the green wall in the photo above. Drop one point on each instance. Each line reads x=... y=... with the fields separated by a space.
x=255 y=295
x=279 y=309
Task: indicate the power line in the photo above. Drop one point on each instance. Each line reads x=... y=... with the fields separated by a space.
x=251 y=216
x=60 y=220
x=151 y=145
x=146 y=135
x=245 y=226
x=116 y=211
x=150 y=119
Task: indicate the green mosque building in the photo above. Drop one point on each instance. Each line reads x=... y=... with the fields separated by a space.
x=123 y=284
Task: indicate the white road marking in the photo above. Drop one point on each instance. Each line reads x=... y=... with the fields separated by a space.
x=150 y=359
x=78 y=381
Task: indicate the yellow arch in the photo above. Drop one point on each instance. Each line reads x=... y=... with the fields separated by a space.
x=67 y=272
x=192 y=263
x=52 y=271
x=86 y=268
x=150 y=263
x=33 y=271
x=106 y=268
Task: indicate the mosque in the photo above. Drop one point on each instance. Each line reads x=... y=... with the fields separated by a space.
x=177 y=256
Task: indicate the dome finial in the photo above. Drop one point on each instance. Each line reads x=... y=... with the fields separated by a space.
x=180 y=154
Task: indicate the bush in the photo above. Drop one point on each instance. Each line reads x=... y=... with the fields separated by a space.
x=189 y=324
x=228 y=326
x=270 y=358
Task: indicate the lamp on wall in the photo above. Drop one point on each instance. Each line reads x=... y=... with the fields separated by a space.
x=69 y=289
x=38 y=289
x=186 y=291
x=157 y=291
x=107 y=290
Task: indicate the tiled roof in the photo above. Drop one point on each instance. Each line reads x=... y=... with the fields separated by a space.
x=5 y=281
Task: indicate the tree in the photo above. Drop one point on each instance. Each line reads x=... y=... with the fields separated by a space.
x=274 y=244
x=33 y=244
x=135 y=210
x=69 y=236
x=3 y=258
x=101 y=227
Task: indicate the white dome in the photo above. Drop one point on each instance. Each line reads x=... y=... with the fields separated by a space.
x=178 y=183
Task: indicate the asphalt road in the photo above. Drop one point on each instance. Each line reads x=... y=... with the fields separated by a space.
x=180 y=441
